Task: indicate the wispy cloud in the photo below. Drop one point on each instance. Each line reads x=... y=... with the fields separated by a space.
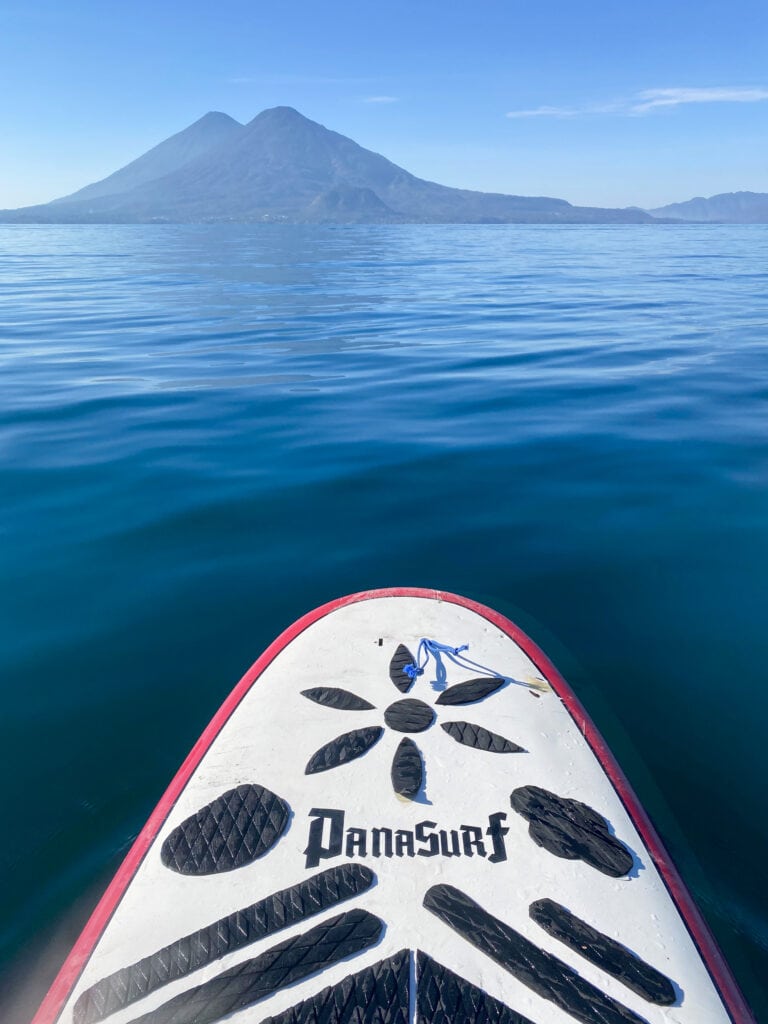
x=380 y=99
x=652 y=99
x=603 y=108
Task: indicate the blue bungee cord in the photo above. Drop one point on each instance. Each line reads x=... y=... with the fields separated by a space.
x=435 y=648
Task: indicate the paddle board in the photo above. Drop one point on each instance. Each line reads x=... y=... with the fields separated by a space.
x=401 y=813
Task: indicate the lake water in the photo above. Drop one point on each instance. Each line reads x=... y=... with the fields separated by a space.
x=208 y=430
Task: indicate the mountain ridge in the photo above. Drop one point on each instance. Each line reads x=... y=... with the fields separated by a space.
x=281 y=166
x=723 y=208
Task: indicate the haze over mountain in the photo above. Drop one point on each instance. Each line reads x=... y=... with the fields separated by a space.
x=725 y=208
x=282 y=166
x=212 y=130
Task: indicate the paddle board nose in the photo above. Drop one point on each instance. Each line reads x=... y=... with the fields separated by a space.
x=380 y=826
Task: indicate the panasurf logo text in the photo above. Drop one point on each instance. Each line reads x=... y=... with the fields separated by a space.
x=328 y=838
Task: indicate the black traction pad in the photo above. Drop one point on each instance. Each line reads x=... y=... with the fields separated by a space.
x=571 y=829
x=539 y=970
x=409 y=715
x=347 y=747
x=335 y=697
x=277 y=968
x=280 y=910
x=407 y=769
x=603 y=951
x=377 y=995
x=446 y=998
x=235 y=829
x=471 y=691
x=481 y=739
x=399 y=677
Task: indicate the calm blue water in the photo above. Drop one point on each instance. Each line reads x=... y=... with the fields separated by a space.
x=207 y=431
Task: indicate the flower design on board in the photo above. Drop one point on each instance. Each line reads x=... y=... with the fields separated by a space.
x=407 y=715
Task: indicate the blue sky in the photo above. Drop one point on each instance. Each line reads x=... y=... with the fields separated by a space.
x=611 y=103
